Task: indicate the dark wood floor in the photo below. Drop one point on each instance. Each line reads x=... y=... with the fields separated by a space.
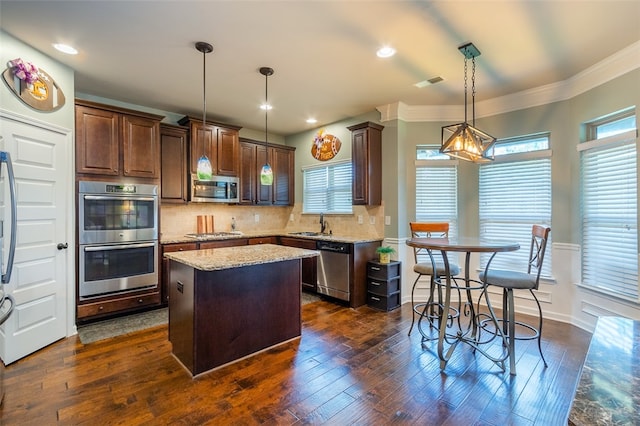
x=350 y=367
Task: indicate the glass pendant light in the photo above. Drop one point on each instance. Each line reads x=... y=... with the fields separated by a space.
x=266 y=174
x=463 y=140
x=203 y=170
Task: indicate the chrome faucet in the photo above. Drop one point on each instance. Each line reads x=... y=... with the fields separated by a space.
x=323 y=224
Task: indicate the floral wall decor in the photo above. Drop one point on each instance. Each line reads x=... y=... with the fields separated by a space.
x=33 y=85
x=325 y=146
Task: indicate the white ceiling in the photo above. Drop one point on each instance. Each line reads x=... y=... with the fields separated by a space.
x=323 y=52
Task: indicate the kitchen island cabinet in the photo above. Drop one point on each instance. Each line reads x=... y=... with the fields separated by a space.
x=228 y=303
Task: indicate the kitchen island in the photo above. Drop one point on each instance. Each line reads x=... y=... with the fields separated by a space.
x=228 y=303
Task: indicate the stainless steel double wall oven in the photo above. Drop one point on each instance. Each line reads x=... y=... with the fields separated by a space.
x=118 y=238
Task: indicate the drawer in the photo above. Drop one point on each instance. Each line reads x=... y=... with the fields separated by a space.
x=383 y=271
x=383 y=288
x=383 y=303
x=167 y=248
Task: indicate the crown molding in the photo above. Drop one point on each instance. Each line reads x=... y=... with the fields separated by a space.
x=622 y=62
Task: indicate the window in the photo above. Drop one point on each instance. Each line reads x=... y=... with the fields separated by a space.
x=327 y=189
x=515 y=194
x=436 y=190
x=609 y=206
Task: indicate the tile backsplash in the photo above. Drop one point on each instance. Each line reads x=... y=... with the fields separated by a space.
x=182 y=219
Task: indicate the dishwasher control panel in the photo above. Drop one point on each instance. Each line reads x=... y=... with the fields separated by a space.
x=333 y=246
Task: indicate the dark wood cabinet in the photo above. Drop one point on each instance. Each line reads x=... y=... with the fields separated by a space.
x=282 y=161
x=366 y=155
x=166 y=263
x=113 y=141
x=309 y=264
x=110 y=306
x=173 y=159
x=219 y=142
x=383 y=285
x=253 y=155
x=262 y=240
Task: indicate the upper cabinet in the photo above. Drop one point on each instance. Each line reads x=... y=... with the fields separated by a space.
x=219 y=142
x=253 y=155
x=112 y=141
x=366 y=154
x=173 y=150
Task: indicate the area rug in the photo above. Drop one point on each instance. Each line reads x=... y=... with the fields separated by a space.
x=101 y=330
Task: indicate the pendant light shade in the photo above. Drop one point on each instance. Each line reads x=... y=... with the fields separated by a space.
x=266 y=174
x=463 y=140
x=203 y=170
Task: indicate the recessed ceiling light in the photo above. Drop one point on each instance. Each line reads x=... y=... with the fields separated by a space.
x=386 y=52
x=266 y=106
x=312 y=120
x=65 y=48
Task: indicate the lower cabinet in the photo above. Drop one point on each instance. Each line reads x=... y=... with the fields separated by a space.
x=117 y=304
x=164 y=271
x=309 y=264
x=383 y=285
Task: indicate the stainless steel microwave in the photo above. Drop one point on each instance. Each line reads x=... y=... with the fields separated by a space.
x=218 y=189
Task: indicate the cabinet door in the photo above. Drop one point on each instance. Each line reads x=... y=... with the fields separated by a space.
x=283 y=185
x=360 y=167
x=166 y=264
x=248 y=176
x=173 y=168
x=309 y=264
x=203 y=142
x=141 y=147
x=263 y=192
x=97 y=141
x=228 y=152
x=366 y=157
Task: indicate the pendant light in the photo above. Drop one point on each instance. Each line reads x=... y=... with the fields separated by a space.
x=463 y=140
x=203 y=170
x=266 y=174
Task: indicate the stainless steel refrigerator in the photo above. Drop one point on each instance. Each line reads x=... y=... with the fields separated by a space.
x=6 y=253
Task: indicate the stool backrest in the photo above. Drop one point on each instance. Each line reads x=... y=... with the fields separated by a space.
x=539 y=237
x=427 y=230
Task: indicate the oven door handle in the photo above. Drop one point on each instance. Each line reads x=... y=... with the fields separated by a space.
x=119 y=247
x=108 y=197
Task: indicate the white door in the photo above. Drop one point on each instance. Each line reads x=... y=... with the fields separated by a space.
x=39 y=282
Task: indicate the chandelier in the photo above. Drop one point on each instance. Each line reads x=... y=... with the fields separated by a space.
x=463 y=140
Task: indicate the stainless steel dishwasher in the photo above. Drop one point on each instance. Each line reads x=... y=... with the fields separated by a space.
x=333 y=269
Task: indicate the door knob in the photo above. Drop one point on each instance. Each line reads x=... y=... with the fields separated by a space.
x=63 y=246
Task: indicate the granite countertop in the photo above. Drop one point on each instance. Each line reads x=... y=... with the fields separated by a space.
x=235 y=257
x=171 y=239
x=609 y=389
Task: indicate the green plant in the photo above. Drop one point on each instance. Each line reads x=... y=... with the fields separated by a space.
x=385 y=249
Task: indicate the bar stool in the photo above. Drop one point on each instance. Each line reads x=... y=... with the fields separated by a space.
x=515 y=280
x=425 y=267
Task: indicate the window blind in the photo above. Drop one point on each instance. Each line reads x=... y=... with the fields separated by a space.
x=437 y=198
x=513 y=196
x=609 y=218
x=327 y=189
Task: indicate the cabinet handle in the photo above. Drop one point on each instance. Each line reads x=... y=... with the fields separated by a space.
x=140 y=300
x=375 y=268
x=100 y=308
x=375 y=298
x=375 y=283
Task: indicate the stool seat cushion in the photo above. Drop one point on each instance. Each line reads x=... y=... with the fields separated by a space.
x=425 y=268
x=509 y=279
